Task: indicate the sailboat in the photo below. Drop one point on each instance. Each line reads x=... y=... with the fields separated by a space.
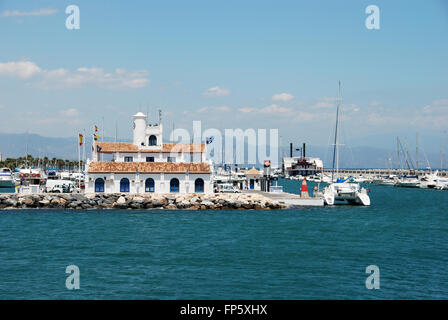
x=343 y=191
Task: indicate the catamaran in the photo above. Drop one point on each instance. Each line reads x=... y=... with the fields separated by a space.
x=343 y=191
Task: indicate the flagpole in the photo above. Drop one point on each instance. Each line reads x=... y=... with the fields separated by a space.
x=102 y=134
x=84 y=156
x=79 y=158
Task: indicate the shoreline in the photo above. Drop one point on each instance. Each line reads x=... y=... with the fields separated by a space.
x=77 y=201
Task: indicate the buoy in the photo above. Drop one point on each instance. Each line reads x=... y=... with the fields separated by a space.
x=304 y=189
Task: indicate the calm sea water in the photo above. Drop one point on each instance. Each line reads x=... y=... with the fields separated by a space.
x=310 y=253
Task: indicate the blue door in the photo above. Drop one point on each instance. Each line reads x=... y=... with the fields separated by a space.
x=252 y=184
x=199 y=185
x=99 y=185
x=149 y=185
x=124 y=185
x=174 y=185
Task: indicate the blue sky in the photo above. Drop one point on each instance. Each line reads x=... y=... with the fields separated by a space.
x=246 y=64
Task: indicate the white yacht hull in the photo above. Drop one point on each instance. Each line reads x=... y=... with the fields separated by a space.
x=346 y=193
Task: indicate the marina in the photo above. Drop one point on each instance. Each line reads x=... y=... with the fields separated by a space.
x=149 y=169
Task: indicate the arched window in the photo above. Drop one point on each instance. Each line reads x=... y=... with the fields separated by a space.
x=152 y=140
x=124 y=185
x=174 y=185
x=99 y=185
x=149 y=185
x=199 y=185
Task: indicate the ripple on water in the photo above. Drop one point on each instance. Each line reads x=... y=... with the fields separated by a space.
x=307 y=253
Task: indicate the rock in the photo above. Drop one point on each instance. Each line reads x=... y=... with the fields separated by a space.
x=132 y=201
x=28 y=201
x=121 y=200
x=138 y=199
x=207 y=203
x=90 y=196
x=11 y=202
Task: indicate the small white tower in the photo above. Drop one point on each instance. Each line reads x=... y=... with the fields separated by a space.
x=139 y=129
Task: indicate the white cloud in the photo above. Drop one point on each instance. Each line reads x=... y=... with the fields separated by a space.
x=39 y=12
x=247 y=110
x=433 y=115
x=20 y=69
x=325 y=102
x=272 y=109
x=63 y=78
x=440 y=103
x=218 y=109
x=70 y=112
x=282 y=97
x=216 y=92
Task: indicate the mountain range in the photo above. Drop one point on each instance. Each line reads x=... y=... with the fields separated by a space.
x=16 y=145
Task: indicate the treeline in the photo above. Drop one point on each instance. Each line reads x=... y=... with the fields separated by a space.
x=44 y=163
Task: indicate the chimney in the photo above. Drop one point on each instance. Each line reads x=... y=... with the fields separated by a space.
x=304 y=154
x=290 y=150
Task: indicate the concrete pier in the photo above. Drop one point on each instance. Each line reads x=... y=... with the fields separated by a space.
x=290 y=200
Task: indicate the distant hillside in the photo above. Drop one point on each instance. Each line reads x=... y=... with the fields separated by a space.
x=14 y=145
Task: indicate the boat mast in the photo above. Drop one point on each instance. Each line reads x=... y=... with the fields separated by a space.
x=335 y=149
x=416 y=151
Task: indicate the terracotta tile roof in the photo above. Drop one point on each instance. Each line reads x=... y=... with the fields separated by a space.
x=112 y=147
x=253 y=171
x=148 y=167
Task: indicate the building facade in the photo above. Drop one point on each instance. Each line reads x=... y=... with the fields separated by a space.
x=149 y=165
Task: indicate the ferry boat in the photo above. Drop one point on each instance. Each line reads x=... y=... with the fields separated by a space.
x=7 y=184
x=31 y=180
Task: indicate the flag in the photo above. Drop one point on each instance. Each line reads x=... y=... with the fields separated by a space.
x=209 y=140
x=80 y=139
x=95 y=137
x=95 y=128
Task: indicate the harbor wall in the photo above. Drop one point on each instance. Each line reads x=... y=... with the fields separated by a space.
x=442 y=173
x=76 y=201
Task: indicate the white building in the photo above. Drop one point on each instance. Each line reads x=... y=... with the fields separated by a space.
x=253 y=179
x=149 y=165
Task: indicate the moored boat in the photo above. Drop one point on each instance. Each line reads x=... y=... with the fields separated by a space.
x=7 y=184
x=343 y=191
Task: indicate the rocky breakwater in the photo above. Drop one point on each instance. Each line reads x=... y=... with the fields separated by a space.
x=130 y=201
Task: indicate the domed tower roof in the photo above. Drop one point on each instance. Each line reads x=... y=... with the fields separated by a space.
x=139 y=115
